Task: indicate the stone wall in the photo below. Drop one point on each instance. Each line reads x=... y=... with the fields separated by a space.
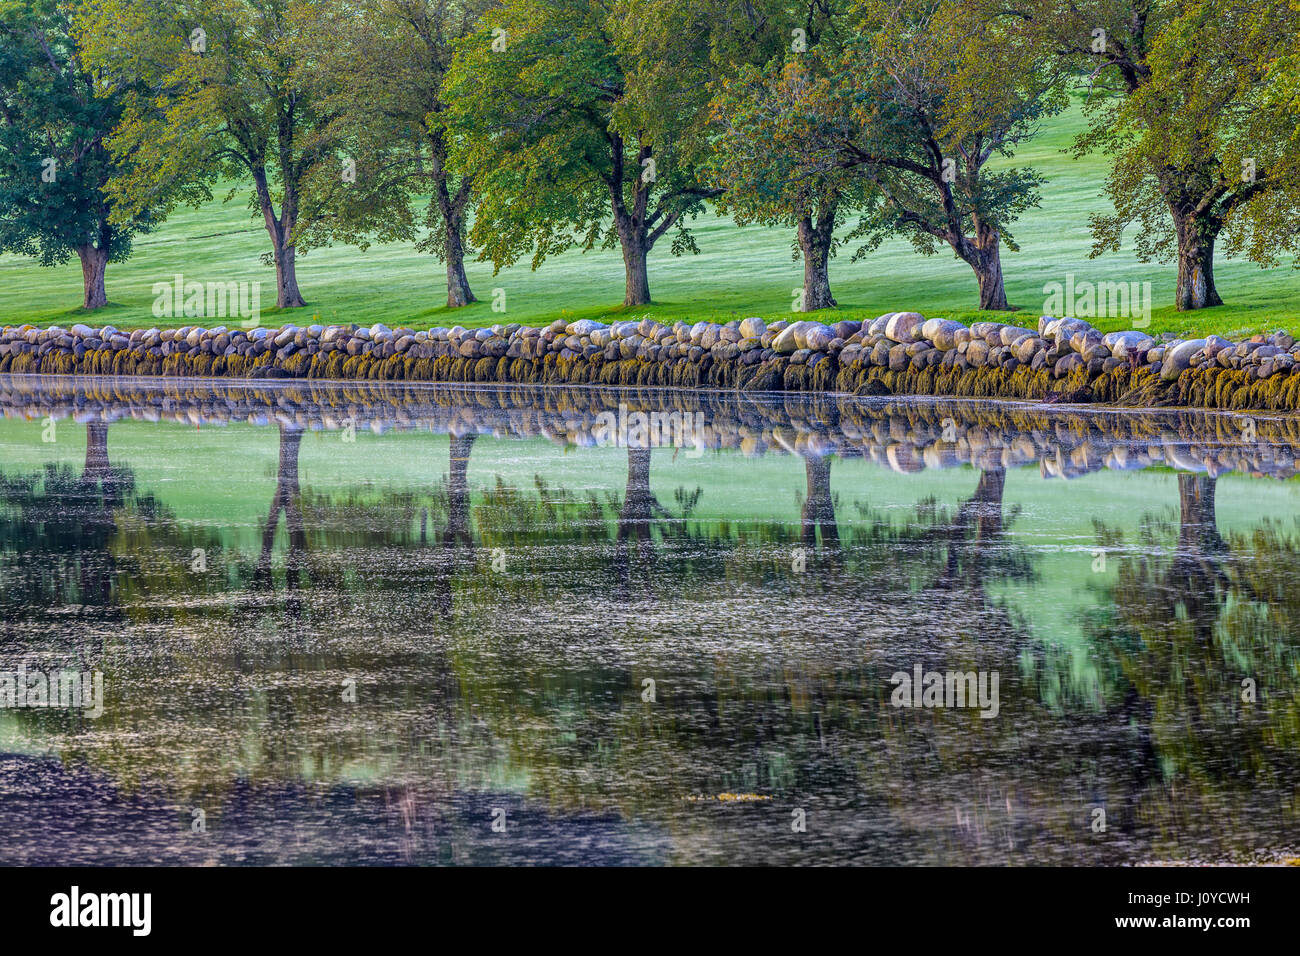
x=901 y=353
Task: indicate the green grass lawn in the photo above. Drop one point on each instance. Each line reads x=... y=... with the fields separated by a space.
x=741 y=271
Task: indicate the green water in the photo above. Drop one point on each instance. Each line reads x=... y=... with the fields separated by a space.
x=394 y=639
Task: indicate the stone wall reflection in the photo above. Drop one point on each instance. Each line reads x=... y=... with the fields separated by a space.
x=904 y=436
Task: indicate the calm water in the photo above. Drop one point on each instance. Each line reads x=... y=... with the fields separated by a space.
x=381 y=625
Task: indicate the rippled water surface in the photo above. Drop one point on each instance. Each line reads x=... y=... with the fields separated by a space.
x=376 y=624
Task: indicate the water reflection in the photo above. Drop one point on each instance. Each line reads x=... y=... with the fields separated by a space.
x=818 y=513
x=286 y=501
x=60 y=524
x=907 y=436
x=404 y=659
x=456 y=544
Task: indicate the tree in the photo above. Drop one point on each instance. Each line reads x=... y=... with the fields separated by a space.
x=379 y=67
x=54 y=165
x=225 y=100
x=581 y=120
x=768 y=129
x=1189 y=97
x=921 y=99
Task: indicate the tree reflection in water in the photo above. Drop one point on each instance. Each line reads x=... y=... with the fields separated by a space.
x=771 y=682
x=635 y=556
x=1201 y=651
x=456 y=553
x=818 y=511
x=286 y=500
x=55 y=533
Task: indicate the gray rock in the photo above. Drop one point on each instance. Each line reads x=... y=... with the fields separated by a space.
x=1067 y=364
x=1123 y=344
x=1011 y=334
x=817 y=336
x=877 y=326
x=797 y=336
x=905 y=327
x=1179 y=358
x=1027 y=347
x=943 y=332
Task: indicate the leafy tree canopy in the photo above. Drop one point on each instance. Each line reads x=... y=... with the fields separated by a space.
x=54 y=166
x=581 y=120
x=378 y=67
x=225 y=100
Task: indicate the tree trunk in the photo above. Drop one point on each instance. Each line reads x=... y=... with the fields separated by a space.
x=637 y=290
x=452 y=210
x=1196 y=237
x=280 y=229
x=94 y=260
x=458 y=290
x=815 y=242
x=630 y=223
x=287 y=295
x=985 y=257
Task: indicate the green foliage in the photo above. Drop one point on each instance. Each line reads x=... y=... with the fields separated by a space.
x=911 y=101
x=379 y=68
x=1207 y=121
x=578 y=118
x=768 y=128
x=1194 y=101
x=921 y=116
x=927 y=95
x=226 y=97
x=54 y=167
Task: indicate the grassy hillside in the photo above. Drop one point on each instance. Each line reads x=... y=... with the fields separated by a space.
x=740 y=271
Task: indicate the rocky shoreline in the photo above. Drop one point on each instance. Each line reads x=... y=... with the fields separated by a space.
x=900 y=353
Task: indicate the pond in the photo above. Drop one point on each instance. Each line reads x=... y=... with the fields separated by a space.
x=369 y=624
